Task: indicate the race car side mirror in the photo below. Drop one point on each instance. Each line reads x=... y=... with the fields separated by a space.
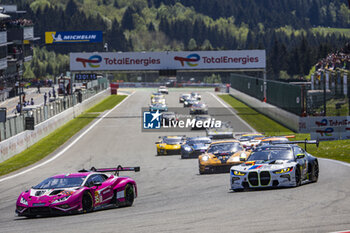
x=157 y=142
x=300 y=156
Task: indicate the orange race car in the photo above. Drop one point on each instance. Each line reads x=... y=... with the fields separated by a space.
x=274 y=139
x=221 y=156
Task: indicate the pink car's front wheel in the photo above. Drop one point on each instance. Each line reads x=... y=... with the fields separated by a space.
x=87 y=202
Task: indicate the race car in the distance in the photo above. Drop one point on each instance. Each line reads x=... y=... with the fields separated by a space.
x=170 y=145
x=157 y=94
x=251 y=140
x=157 y=99
x=221 y=156
x=274 y=139
x=276 y=165
x=189 y=102
x=163 y=90
x=158 y=107
x=199 y=108
x=184 y=97
x=80 y=192
x=196 y=95
x=224 y=131
x=194 y=146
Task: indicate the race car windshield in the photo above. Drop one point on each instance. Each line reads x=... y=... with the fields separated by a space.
x=199 y=141
x=66 y=182
x=172 y=141
x=265 y=154
x=225 y=147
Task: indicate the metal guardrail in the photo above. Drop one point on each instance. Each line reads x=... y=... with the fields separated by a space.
x=16 y=124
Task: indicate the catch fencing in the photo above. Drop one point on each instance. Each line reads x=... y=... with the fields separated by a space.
x=283 y=95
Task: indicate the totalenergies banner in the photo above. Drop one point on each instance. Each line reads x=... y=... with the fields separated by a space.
x=326 y=128
x=192 y=60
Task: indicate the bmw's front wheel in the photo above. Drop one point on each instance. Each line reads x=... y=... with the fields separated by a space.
x=297 y=177
x=315 y=172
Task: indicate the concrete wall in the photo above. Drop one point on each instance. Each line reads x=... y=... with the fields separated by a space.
x=285 y=118
x=22 y=141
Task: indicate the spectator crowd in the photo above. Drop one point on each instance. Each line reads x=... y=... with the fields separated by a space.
x=14 y=22
x=339 y=60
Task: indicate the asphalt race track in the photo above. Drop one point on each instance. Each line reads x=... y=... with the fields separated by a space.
x=173 y=197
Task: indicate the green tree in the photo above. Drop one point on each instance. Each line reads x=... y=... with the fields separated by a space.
x=128 y=19
x=192 y=44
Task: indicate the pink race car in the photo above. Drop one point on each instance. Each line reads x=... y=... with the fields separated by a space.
x=80 y=192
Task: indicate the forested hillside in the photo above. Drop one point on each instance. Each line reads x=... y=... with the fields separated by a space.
x=285 y=28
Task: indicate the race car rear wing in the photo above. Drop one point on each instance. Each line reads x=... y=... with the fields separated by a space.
x=316 y=142
x=116 y=170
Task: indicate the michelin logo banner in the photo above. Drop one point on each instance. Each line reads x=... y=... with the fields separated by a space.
x=73 y=37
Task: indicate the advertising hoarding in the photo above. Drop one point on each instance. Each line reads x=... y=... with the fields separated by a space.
x=326 y=128
x=191 y=60
x=73 y=37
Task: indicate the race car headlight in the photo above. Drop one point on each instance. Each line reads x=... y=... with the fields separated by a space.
x=284 y=170
x=205 y=158
x=23 y=201
x=187 y=148
x=238 y=173
x=61 y=199
x=186 y=102
x=161 y=146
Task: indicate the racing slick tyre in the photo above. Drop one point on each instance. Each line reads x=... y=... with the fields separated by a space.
x=87 y=202
x=238 y=190
x=129 y=195
x=297 y=177
x=314 y=173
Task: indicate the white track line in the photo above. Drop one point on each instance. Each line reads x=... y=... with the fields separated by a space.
x=230 y=109
x=66 y=148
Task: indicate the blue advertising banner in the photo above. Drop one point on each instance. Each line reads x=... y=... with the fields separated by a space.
x=73 y=37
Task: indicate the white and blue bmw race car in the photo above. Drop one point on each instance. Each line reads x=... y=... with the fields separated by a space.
x=276 y=165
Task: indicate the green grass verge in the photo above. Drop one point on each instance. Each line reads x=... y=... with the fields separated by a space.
x=258 y=121
x=57 y=138
x=331 y=107
x=107 y=103
x=338 y=150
